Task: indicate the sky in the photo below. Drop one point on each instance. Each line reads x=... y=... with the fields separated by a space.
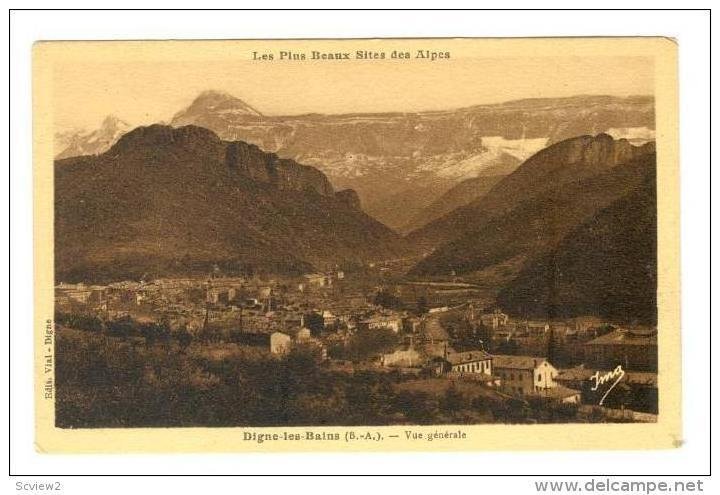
x=142 y=93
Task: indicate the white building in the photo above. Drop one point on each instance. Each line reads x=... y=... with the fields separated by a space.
x=329 y=319
x=318 y=279
x=280 y=343
x=495 y=319
x=393 y=323
x=524 y=375
x=303 y=335
x=478 y=362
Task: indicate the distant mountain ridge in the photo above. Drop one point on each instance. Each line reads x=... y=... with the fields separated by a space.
x=459 y=195
x=80 y=142
x=548 y=171
x=166 y=200
x=412 y=158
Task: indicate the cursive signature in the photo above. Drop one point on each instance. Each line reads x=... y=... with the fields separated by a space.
x=617 y=374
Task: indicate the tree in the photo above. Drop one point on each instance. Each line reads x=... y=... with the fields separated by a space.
x=453 y=400
x=184 y=339
x=517 y=410
x=155 y=332
x=485 y=334
x=464 y=334
x=507 y=347
x=367 y=343
x=418 y=407
x=422 y=305
x=315 y=322
x=552 y=348
x=386 y=299
x=122 y=327
x=563 y=412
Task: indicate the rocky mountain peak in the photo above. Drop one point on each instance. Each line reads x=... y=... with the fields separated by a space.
x=162 y=144
x=79 y=142
x=601 y=150
x=199 y=202
x=213 y=102
x=161 y=135
x=112 y=122
x=213 y=96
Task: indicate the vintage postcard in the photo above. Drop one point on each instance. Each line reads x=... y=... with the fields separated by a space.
x=354 y=245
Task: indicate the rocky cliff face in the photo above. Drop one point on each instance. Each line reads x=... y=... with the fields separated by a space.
x=166 y=201
x=162 y=136
x=241 y=157
x=281 y=173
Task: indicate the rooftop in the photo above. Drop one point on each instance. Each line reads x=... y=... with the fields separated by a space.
x=558 y=392
x=468 y=357
x=517 y=362
x=627 y=336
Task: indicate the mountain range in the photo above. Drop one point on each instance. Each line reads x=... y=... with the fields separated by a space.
x=459 y=195
x=605 y=266
x=572 y=229
x=82 y=142
x=413 y=158
x=166 y=200
x=550 y=172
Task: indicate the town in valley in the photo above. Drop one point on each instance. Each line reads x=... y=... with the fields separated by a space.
x=444 y=339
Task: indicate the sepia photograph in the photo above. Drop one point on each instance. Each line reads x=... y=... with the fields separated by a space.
x=355 y=233
x=426 y=249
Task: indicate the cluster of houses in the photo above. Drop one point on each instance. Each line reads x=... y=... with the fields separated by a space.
x=315 y=311
x=597 y=349
x=522 y=376
x=193 y=303
x=67 y=294
x=282 y=343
